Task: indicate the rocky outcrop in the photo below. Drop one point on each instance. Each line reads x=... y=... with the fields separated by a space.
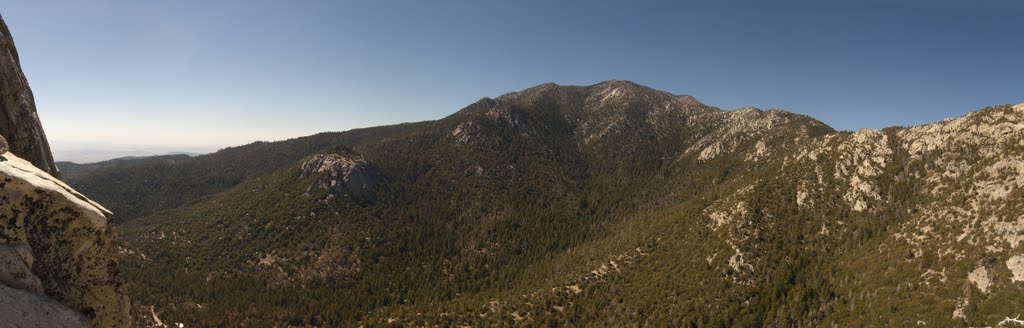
x=343 y=175
x=750 y=130
x=19 y=123
x=55 y=241
x=948 y=194
x=57 y=265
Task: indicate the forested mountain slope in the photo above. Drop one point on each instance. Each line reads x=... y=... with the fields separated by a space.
x=137 y=187
x=604 y=205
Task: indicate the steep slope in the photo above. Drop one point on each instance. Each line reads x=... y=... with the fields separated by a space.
x=604 y=205
x=902 y=227
x=19 y=123
x=57 y=260
x=472 y=204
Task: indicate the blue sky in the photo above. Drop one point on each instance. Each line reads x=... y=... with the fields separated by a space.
x=193 y=74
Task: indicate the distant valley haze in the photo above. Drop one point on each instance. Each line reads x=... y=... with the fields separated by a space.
x=96 y=152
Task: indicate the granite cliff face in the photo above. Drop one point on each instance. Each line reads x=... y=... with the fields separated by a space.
x=342 y=175
x=57 y=255
x=19 y=123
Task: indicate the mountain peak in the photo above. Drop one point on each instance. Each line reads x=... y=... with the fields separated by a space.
x=619 y=84
x=688 y=99
x=604 y=91
x=625 y=87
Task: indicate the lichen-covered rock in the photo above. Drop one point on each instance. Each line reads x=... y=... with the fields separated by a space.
x=19 y=123
x=346 y=175
x=64 y=238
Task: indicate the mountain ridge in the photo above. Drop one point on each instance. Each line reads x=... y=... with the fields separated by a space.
x=125 y=213
x=547 y=203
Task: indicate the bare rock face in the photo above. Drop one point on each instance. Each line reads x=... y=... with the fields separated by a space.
x=57 y=265
x=19 y=123
x=16 y=267
x=55 y=241
x=20 y=308
x=346 y=175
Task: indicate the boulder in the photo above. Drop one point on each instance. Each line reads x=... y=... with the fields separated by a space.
x=344 y=175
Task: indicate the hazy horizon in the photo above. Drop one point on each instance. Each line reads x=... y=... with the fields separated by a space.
x=196 y=75
x=83 y=153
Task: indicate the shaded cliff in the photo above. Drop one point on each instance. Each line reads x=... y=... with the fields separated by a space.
x=57 y=252
x=19 y=123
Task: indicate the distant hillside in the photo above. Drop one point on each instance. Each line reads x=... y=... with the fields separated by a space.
x=93 y=154
x=135 y=187
x=605 y=205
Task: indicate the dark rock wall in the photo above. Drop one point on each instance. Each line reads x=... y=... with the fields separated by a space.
x=19 y=123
